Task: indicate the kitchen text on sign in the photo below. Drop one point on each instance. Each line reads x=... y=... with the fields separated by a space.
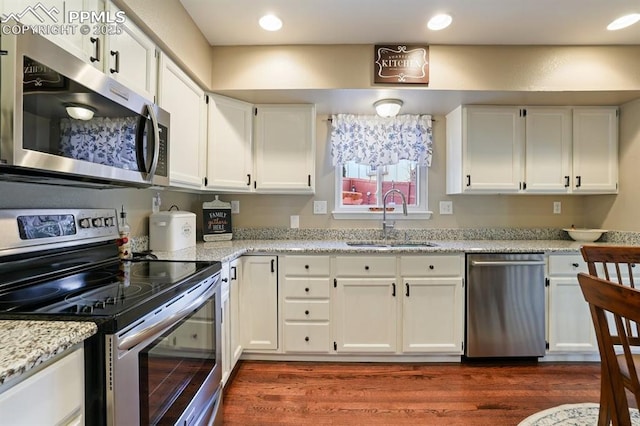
x=401 y=64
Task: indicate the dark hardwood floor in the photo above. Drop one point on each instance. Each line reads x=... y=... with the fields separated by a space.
x=305 y=393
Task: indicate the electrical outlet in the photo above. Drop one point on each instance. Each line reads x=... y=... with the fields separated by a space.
x=295 y=221
x=235 y=206
x=557 y=207
x=446 y=207
x=319 y=207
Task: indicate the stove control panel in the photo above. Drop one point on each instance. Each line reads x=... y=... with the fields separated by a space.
x=34 y=229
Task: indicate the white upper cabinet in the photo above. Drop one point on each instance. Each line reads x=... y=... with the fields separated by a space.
x=229 y=158
x=131 y=58
x=185 y=101
x=595 y=150
x=544 y=150
x=484 y=149
x=260 y=148
x=285 y=149
x=547 y=149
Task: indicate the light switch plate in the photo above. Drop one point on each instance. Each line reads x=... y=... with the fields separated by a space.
x=319 y=207
x=235 y=206
x=446 y=207
x=557 y=207
x=295 y=221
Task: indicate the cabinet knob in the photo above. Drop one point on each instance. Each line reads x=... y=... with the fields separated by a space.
x=575 y=265
x=306 y=312
x=224 y=280
x=431 y=267
x=306 y=289
x=366 y=267
x=306 y=339
x=306 y=266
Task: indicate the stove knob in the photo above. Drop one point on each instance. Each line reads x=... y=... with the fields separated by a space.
x=109 y=221
x=100 y=304
x=87 y=309
x=84 y=223
x=97 y=222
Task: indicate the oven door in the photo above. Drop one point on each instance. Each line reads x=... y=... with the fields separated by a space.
x=166 y=369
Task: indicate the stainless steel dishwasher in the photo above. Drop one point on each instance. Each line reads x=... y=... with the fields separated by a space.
x=505 y=305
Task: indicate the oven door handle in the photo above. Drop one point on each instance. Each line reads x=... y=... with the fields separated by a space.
x=142 y=335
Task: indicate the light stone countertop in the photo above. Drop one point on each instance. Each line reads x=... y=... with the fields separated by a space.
x=24 y=345
x=229 y=250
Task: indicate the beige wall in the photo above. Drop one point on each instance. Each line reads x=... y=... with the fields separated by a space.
x=506 y=68
x=470 y=211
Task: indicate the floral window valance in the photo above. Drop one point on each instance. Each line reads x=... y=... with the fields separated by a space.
x=378 y=141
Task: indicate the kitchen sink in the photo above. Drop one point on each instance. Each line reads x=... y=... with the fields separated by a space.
x=383 y=244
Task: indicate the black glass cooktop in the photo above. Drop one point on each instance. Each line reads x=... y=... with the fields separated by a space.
x=107 y=291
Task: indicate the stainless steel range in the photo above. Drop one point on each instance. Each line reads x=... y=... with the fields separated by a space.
x=156 y=357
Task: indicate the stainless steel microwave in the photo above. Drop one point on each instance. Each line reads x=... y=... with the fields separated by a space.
x=63 y=121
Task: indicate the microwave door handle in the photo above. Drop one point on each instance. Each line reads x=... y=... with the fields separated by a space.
x=156 y=142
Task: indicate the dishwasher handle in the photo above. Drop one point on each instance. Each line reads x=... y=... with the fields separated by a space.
x=507 y=262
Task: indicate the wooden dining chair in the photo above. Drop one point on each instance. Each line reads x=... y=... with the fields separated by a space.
x=613 y=307
x=613 y=263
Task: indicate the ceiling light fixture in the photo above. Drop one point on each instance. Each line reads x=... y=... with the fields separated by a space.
x=80 y=112
x=439 y=22
x=624 y=21
x=270 y=23
x=388 y=107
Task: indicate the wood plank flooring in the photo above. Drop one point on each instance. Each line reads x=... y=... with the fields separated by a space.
x=305 y=393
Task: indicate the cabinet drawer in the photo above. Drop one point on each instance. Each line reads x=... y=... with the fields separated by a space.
x=567 y=264
x=306 y=288
x=363 y=266
x=306 y=310
x=431 y=265
x=307 y=265
x=307 y=337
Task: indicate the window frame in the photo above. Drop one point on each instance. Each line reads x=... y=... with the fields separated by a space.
x=419 y=211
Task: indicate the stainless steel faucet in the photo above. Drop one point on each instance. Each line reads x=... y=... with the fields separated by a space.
x=386 y=225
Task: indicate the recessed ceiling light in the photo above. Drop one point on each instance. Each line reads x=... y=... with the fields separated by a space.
x=439 y=22
x=270 y=23
x=624 y=21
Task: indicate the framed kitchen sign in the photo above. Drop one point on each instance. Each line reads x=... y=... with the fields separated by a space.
x=400 y=64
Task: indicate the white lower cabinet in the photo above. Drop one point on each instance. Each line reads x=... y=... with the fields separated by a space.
x=365 y=314
x=52 y=396
x=259 y=303
x=235 y=321
x=570 y=328
x=225 y=328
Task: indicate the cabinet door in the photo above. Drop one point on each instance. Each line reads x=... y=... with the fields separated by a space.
x=225 y=329
x=365 y=315
x=432 y=315
x=548 y=150
x=52 y=396
x=235 y=339
x=595 y=150
x=493 y=141
x=74 y=42
x=131 y=58
x=259 y=302
x=570 y=326
x=285 y=149
x=185 y=101
x=229 y=156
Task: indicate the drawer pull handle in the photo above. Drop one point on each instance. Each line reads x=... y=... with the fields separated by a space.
x=366 y=267
x=306 y=289
x=306 y=266
x=575 y=265
x=306 y=339
x=431 y=267
x=306 y=312
x=224 y=280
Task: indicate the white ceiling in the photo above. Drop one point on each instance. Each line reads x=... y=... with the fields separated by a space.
x=583 y=22
x=560 y=22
